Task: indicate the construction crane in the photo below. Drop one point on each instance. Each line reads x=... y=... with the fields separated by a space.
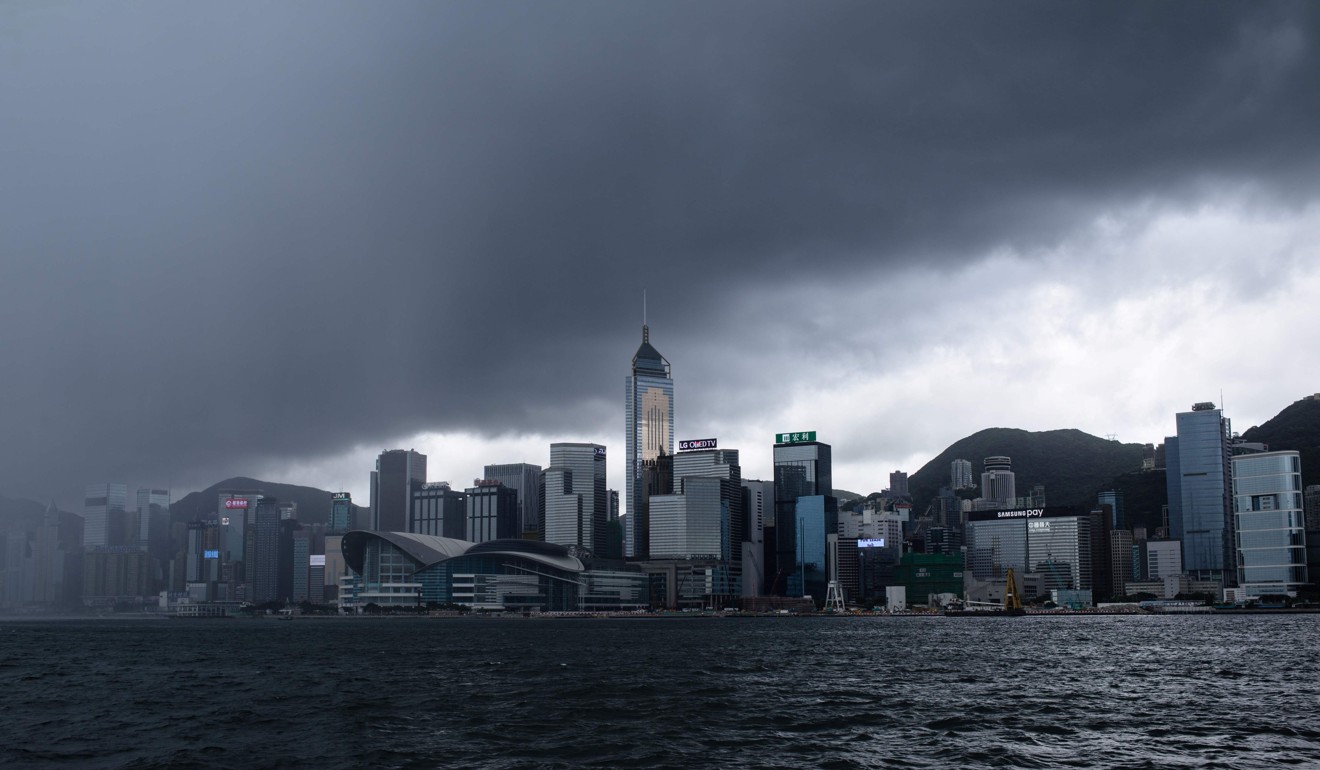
x=1012 y=600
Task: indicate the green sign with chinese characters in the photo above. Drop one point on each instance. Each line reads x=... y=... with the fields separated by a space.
x=795 y=438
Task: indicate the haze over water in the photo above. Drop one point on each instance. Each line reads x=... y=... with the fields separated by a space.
x=1110 y=691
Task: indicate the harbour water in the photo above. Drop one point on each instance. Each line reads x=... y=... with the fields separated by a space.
x=912 y=692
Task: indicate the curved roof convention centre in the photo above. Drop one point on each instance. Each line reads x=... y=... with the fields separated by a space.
x=427 y=550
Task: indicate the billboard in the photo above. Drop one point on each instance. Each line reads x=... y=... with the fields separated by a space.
x=210 y=554
x=874 y=542
x=696 y=443
x=1049 y=512
x=236 y=502
x=340 y=496
x=795 y=438
x=316 y=560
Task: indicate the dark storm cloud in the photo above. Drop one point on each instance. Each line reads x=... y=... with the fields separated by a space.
x=282 y=230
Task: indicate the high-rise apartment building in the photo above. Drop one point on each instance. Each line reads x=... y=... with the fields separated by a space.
x=398 y=472
x=1270 y=523
x=960 y=475
x=898 y=485
x=105 y=516
x=649 y=434
x=1198 y=481
x=998 y=482
x=525 y=480
x=575 y=501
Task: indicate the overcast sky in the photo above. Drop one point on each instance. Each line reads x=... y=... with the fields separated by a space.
x=275 y=239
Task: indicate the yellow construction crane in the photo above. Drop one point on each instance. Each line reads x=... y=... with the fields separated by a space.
x=1012 y=600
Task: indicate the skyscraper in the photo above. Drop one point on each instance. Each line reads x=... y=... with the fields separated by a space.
x=398 y=473
x=439 y=510
x=1114 y=499
x=803 y=472
x=575 y=501
x=524 y=479
x=153 y=510
x=649 y=433
x=492 y=512
x=104 y=515
x=1198 y=481
x=1271 y=537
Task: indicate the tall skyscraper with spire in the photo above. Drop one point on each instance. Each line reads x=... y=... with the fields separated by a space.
x=649 y=417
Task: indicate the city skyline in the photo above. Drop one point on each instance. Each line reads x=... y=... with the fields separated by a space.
x=894 y=226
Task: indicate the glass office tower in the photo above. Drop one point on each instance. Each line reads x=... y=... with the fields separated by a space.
x=802 y=469
x=1271 y=536
x=576 y=506
x=649 y=431
x=1200 y=505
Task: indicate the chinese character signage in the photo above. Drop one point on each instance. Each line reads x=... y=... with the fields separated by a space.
x=795 y=438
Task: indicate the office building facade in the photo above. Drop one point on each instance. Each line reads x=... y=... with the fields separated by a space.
x=525 y=480
x=492 y=512
x=576 y=510
x=1270 y=526
x=439 y=511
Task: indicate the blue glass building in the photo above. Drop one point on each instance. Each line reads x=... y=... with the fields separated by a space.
x=1200 y=506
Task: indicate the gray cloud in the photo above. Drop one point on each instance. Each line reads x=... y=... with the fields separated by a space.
x=280 y=231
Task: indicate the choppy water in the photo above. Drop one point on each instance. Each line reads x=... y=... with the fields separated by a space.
x=1131 y=692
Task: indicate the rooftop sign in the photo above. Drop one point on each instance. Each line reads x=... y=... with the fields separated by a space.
x=340 y=496
x=236 y=502
x=795 y=438
x=1050 y=512
x=696 y=443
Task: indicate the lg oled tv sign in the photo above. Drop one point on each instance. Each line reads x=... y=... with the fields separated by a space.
x=696 y=443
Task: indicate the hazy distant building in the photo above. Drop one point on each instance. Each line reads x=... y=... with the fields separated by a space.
x=575 y=500
x=1270 y=527
x=649 y=433
x=526 y=481
x=105 y=508
x=998 y=482
x=960 y=475
x=398 y=473
x=1198 y=480
x=153 y=515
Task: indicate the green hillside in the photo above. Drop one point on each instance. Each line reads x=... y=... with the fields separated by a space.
x=1071 y=464
x=1296 y=427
